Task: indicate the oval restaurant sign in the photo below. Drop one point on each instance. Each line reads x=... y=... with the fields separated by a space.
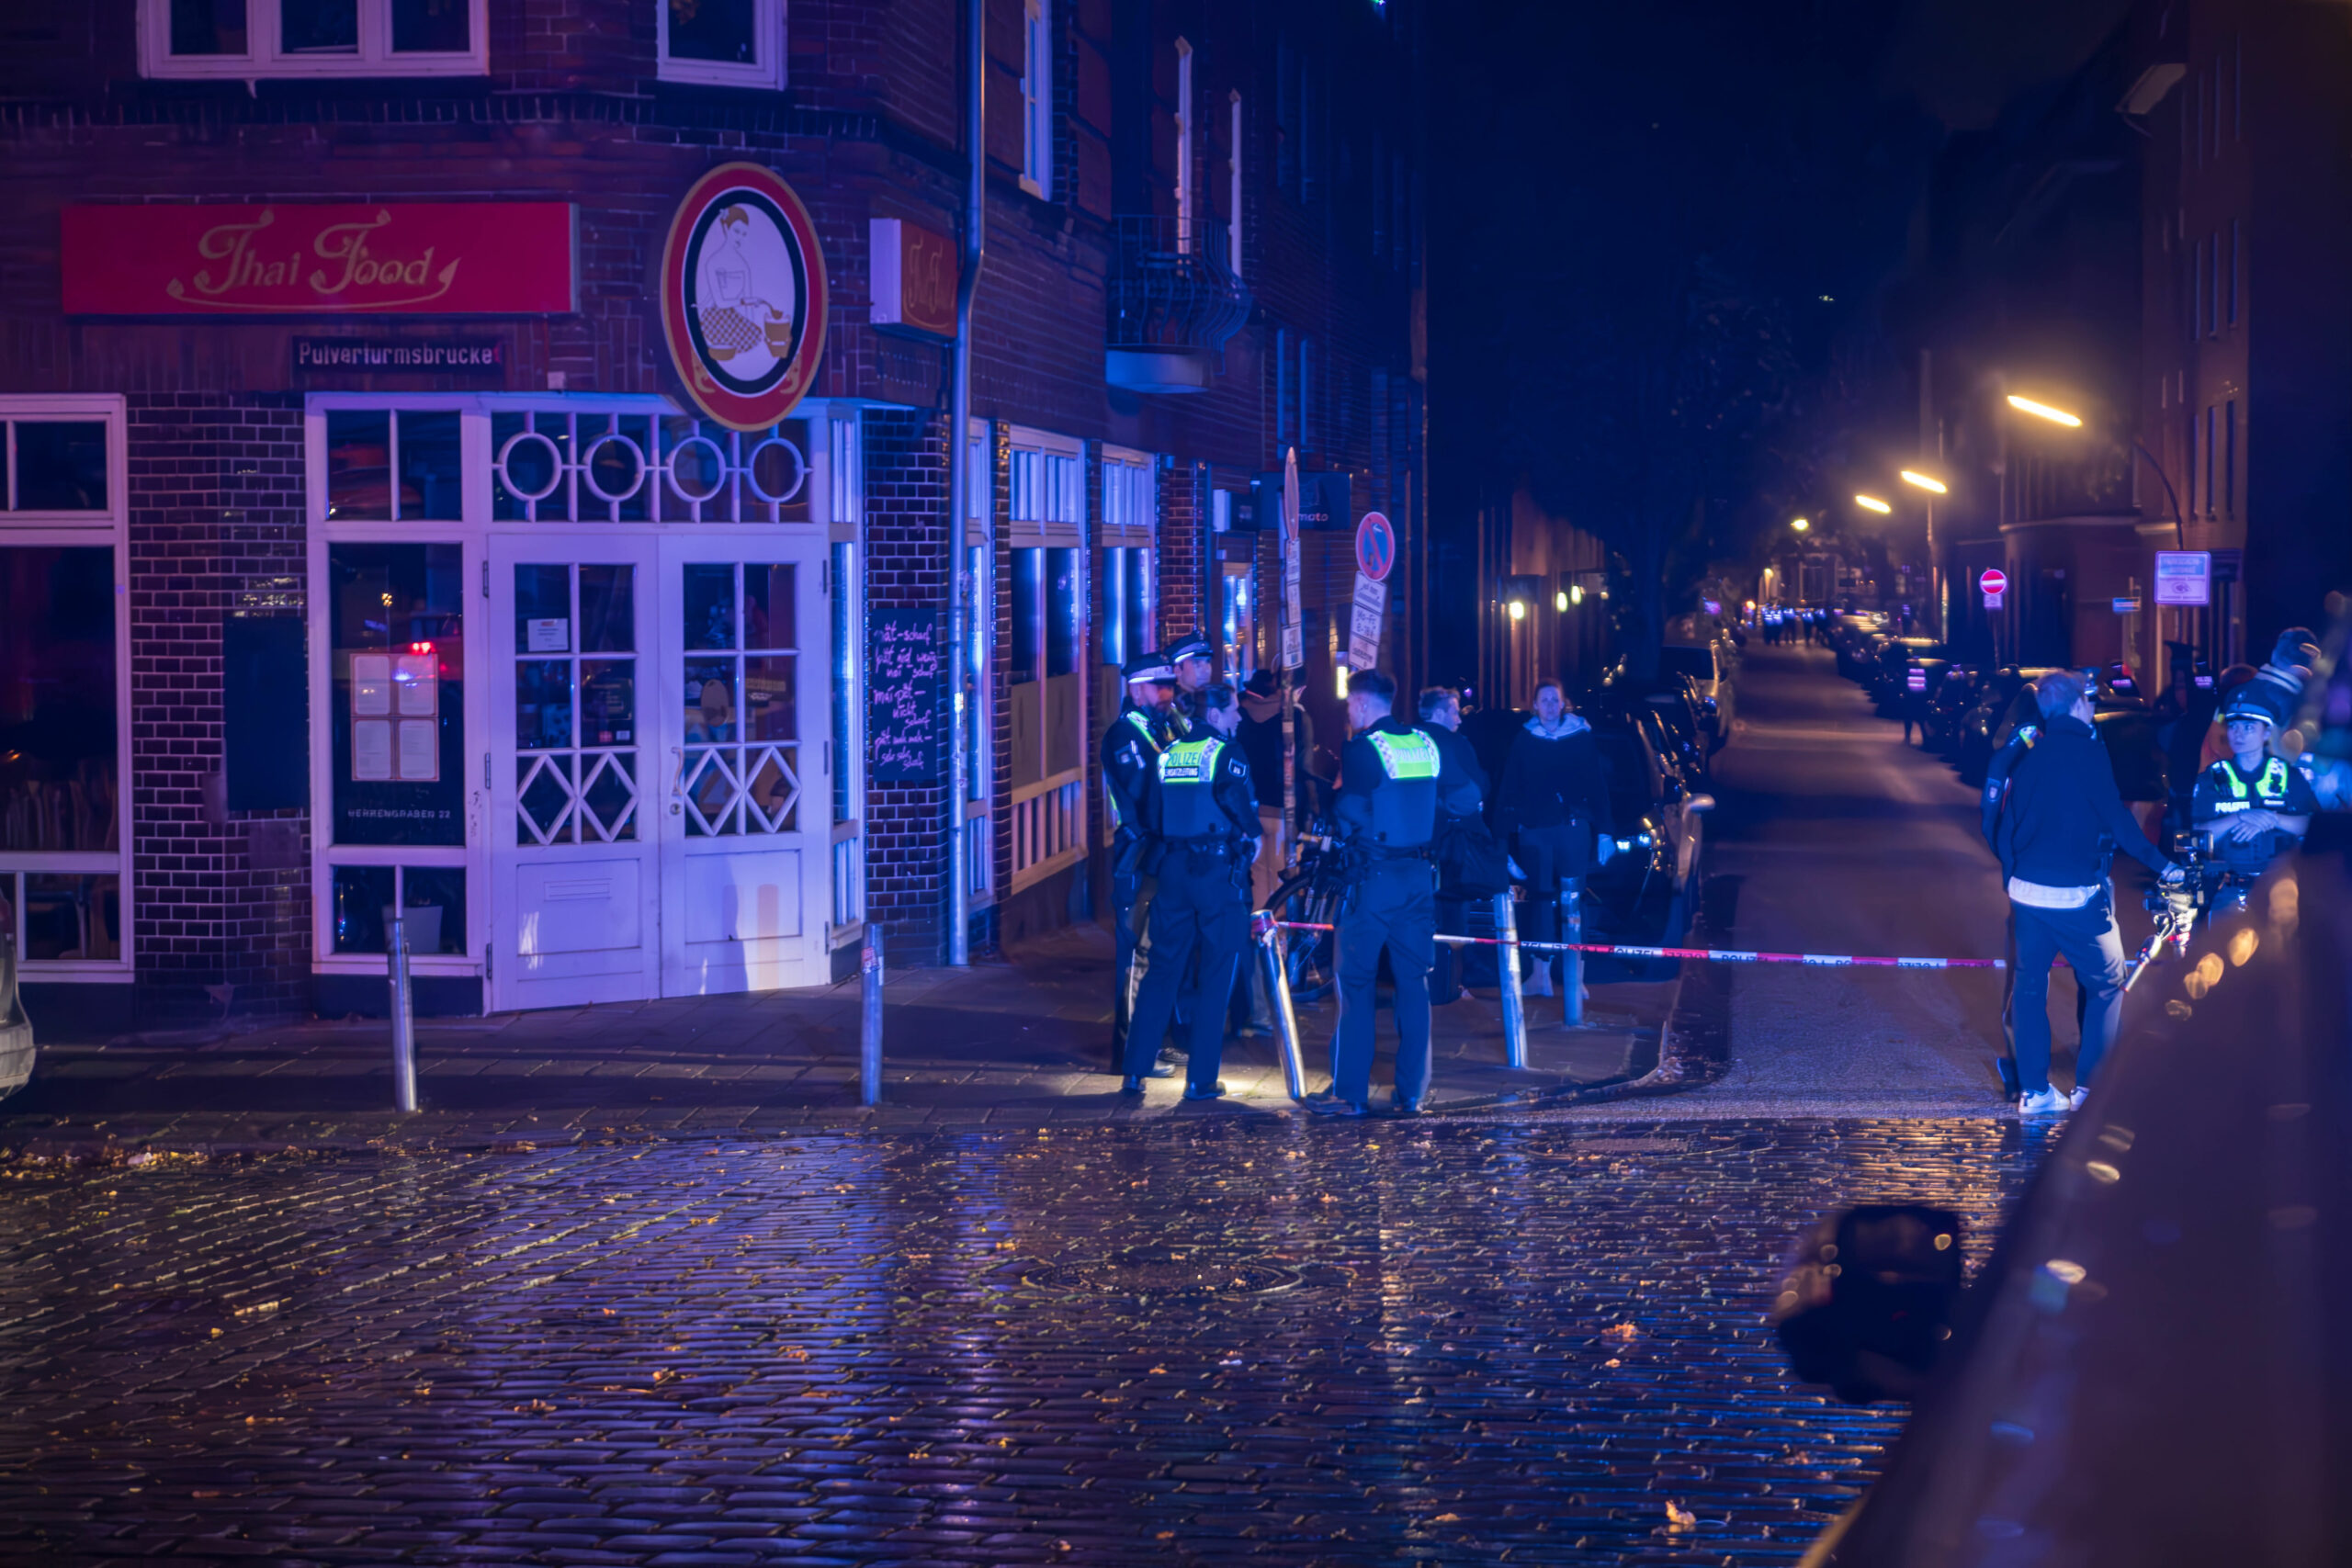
x=313 y=259
x=743 y=296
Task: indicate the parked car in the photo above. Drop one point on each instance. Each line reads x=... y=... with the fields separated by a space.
x=1950 y=697
x=1676 y=699
x=1648 y=891
x=1985 y=727
x=1712 y=666
x=1890 y=683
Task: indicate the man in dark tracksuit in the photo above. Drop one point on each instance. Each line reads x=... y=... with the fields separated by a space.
x=1203 y=816
x=1392 y=781
x=1130 y=749
x=2061 y=812
x=1552 y=805
x=1441 y=709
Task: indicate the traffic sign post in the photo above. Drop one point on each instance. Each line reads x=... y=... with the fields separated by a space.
x=1376 y=555
x=1992 y=580
x=1375 y=546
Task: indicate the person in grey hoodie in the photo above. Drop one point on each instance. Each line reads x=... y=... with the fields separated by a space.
x=1551 y=806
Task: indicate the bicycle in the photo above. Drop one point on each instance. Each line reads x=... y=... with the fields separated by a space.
x=1309 y=893
x=2206 y=890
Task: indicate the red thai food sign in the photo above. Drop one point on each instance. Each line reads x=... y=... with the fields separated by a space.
x=297 y=259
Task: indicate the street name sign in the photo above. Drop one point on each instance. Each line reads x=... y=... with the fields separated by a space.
x=2184 y=577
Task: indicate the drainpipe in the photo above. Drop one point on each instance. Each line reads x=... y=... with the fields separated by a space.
x=960 y=480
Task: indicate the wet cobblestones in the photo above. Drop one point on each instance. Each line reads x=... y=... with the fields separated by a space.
x=1227 y=1342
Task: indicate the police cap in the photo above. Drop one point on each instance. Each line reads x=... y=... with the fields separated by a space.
x=1189 y=648
x=1149 y=667
x=2243 y=704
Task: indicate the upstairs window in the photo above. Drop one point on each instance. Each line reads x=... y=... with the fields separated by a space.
x=722 y=43
x=1036 y=99
x=250 y=38
x=1187 y=198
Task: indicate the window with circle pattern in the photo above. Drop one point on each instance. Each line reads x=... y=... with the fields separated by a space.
x=557 y=465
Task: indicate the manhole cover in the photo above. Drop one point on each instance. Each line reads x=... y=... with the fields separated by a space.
x=1583 y=1147
x=1163 y=1272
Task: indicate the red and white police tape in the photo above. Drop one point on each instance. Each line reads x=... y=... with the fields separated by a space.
x=1710 y=954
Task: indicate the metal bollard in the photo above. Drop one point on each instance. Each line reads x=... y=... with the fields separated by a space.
x=403 y=1017
x=869 y=1030
x=1277 y=962
x=1507 y=966
x=1572 y=961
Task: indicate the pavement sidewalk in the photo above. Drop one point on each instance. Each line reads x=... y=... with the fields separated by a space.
x=1018 y=1038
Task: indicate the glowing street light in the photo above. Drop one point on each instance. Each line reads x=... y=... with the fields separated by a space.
x=1801 y=524
x=1576 y=593
x=2043 y=411
x=1560 y=600
x=1925 y=482
x=1519 y=609
x=1872 y=503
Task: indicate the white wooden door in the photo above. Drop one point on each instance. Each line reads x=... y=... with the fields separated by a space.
x=575 y=877
x=745 y=821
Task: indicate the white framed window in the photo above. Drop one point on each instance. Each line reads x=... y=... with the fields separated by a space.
x=250 y=38
x=721 y=43
x=1037 y=98
x=1233 y=199
x=1187 y=194
x=1047 y=486
x=65 y=891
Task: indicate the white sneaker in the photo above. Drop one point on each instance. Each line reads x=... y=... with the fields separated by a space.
x=2074 y=1100
x=2049 y=1102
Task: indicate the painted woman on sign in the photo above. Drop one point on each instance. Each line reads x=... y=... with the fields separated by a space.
x=745 y=269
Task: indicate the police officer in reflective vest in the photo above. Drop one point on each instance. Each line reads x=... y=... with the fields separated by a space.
x=1392 y=781
x=1202 y=815
x=1130 y=749
x=2255 y=803
x=1193 y=659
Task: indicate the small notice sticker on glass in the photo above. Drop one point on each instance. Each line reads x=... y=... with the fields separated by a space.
x=549 y=637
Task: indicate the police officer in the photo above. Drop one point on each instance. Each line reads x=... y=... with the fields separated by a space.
x=1194 y=663
x=1130 y=750
x=1392 y=779
x=1202 y=818
x=2255 y=804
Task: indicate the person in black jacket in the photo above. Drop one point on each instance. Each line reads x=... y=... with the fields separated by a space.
x=2052 y=822
x=1441 y=708
x=1551 y=806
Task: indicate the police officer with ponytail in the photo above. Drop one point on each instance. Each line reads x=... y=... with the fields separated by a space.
x=1392 y=779
x=1202 y=813
x=2255 y=803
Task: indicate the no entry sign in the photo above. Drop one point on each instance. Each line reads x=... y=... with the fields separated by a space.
x=1375 y=546
x=1993 y=580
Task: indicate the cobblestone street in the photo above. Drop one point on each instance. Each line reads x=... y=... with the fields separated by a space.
x=1244 y=1340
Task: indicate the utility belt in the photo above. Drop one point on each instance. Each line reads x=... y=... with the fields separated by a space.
x=1199 y=857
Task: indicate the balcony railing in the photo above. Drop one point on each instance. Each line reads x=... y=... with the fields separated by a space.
x=1171 y=287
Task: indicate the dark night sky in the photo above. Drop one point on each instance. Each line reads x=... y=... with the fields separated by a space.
x=1661 y=235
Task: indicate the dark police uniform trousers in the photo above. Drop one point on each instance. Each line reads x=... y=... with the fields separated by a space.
x=1197 y=921
x=1129 y=749
x=1391 y=907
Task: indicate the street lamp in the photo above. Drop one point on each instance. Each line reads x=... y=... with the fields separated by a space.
x=1801 y=524
x=1872 y=504
x=1933 y=485
x=2074 y=421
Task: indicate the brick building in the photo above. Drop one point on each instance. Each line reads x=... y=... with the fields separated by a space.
x=333 y=331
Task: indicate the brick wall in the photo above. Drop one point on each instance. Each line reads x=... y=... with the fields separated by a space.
x=215 y=505
x=1183 y=530
x=906 y=545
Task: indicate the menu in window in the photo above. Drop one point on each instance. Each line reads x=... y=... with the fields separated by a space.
x=395 y=717
x=902 y=713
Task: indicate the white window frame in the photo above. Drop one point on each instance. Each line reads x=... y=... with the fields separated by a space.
x=36 y=530
x=1187 y=193
x=1233 y=217
x=263 y=56
x=768 y=36
x=1037 y=98
x=1130 y=498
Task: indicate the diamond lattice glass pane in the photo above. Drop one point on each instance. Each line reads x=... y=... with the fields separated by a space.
x=712 y=791
x=768 y=698
x=609 y=804
x=544 y=798
x=774 y=793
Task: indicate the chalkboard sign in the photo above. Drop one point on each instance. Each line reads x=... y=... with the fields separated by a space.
x=902 y=714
